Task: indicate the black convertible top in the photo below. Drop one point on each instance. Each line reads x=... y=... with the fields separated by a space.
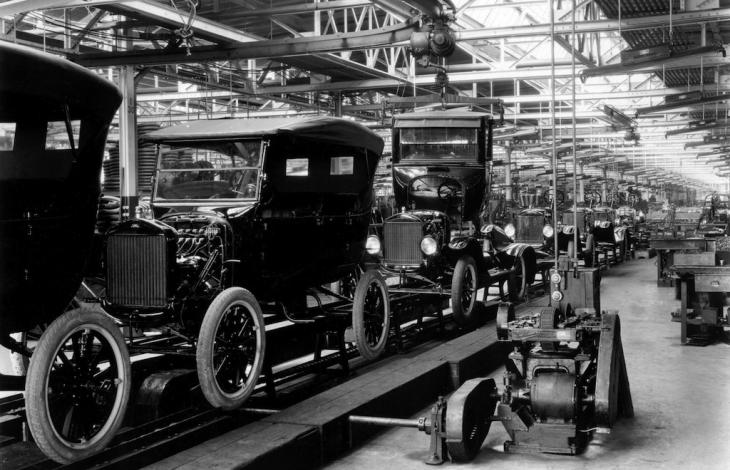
x=33 y=83
x=319 y=128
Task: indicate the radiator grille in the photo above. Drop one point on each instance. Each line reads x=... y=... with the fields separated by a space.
x=136 y=270
x=402 y=243
x=529 y=229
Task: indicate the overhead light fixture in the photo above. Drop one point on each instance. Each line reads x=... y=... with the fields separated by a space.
x=682 y=100
x=617 y=119
x=696 y=126
x=648 y=58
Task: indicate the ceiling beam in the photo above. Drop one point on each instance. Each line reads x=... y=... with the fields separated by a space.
x=13 y=7
x=166 y=16
x=278 y=48
x=297 y=9
x=687 y=19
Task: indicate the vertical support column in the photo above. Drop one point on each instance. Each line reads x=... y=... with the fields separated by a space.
x=604 y=186
x=128 y=142
x=508 y=173
x=581 y=185
x=317 y=21
x=338 y=104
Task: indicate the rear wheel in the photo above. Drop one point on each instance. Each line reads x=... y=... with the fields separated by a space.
x=521 y=286
x=464 y=286
x=371 y=315
x=231 y=346
x=78 y=385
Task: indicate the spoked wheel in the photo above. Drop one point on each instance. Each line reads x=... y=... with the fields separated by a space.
x=78 y=385
x=520 y=277
x=231 y=346
x=464 y=286
x=348 y=284
x=371 y=315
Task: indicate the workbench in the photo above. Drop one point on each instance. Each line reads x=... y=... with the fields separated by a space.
x=703 y=290
x=666 y=248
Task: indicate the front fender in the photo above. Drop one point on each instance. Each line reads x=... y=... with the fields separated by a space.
x=513 y=252
x=461 y=245
x=517 y=249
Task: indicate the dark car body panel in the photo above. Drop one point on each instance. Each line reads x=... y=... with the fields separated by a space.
x=303 y=229
x=48 y=197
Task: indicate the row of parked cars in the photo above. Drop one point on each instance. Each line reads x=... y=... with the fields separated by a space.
x=604 y=235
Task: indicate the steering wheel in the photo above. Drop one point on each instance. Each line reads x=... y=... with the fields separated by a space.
x=593 y=197
x=419 y=184
x=448 y=189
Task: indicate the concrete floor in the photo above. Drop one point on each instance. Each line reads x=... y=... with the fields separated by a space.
x=681 y=398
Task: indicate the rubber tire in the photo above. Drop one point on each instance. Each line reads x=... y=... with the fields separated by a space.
x=522 y=287
x=204 y=354
x=367 y=351
x=36 y=387
x=464 y=317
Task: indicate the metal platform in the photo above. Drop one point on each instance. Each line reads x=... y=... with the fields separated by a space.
x=316 y=430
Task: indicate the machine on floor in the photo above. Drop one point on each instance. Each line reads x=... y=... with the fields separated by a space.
x=565 y=379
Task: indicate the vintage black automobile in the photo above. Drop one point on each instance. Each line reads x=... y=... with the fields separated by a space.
x=534 y=226
x=56 y=116
x=266 y=211
x=249 y=215
x=435 y=245
x=583 y=224
x=610 y=238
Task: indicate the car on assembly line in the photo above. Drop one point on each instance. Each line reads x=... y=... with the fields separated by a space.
x=439 y=244
x=249 y=216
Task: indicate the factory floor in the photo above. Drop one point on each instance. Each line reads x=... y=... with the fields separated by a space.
x=681 y=397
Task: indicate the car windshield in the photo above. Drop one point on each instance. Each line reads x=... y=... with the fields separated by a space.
x=209 y=170
x=439 y=143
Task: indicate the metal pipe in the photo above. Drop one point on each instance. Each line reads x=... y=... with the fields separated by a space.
x=128 y=142
x=552 y=113
x=575 y=145
x=379 y=421
x=508 y=174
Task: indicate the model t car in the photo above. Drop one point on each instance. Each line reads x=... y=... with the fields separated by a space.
x=266 y=211
x=610 y=238
x=435 y=245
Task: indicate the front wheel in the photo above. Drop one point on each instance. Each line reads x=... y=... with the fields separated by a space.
x=464 y=286
x=231 y=346
x=78 y=385
x=371 y=315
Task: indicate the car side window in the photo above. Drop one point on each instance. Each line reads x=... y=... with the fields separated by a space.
x=344 y=165
x=7 y=136
x=58 y=138
x=297 y=167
